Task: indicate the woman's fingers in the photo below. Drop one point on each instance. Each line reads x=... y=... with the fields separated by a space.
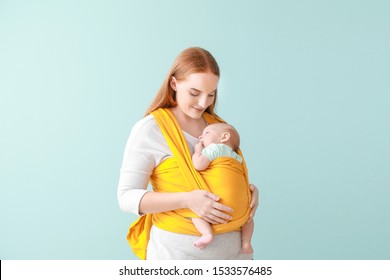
x=218 y=206
x=210 y=221
x=214 y=218
x=254 y=201
x=223 y=208
x=255 y=195
x=206 y=206
x=212 y=196
x=221 y=216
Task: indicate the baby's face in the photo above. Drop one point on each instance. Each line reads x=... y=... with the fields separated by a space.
x=211 y=134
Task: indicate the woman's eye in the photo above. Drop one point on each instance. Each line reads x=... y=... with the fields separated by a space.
x=193 y=94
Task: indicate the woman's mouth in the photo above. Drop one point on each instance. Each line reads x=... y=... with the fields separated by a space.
x=198 y=109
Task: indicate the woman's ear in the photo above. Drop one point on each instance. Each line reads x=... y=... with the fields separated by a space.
x=225 y=137
x=173 y=83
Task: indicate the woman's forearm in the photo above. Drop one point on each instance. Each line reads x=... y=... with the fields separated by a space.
x=156 y=202
x=202 y=203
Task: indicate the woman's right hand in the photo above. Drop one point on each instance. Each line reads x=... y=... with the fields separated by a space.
x=207 y=207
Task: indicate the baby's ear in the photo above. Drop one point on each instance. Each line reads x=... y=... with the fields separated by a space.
x=225 y=137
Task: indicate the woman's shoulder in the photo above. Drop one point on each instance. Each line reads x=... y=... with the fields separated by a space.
x=146 y=135
x=145 y=125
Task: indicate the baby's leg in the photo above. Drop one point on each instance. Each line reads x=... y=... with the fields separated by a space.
x=246 y=237
x=205 y=229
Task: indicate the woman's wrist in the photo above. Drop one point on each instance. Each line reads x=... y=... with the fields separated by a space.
x=185 y=200
x=156 y=202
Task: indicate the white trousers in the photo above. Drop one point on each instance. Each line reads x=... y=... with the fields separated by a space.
x=165 y=245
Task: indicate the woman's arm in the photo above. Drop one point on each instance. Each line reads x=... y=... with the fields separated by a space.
x=144 y=150
x=139 y=159
x=202 y=203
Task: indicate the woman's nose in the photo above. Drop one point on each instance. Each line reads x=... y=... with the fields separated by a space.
x=202 y=102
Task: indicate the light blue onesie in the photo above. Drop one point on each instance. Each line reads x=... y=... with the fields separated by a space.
x=214 y=151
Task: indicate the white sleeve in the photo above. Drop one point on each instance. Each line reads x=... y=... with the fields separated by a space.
x=145 y=149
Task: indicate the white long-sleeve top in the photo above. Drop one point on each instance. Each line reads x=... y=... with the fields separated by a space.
x=146 y=148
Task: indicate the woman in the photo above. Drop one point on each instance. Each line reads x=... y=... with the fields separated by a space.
x=189 y=95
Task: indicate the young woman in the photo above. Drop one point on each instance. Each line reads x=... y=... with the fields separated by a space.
x=182 y=108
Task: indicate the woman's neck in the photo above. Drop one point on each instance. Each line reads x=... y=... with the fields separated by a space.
x=190 y=125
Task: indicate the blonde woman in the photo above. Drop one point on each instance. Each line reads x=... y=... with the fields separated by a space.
x=159 y=151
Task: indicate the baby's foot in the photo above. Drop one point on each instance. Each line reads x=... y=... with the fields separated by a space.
x=203 y=241
x=246 y=248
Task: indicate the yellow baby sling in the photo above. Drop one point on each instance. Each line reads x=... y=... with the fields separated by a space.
x=225 y=177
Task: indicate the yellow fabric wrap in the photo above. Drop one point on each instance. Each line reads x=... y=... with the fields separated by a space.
x=225 y=177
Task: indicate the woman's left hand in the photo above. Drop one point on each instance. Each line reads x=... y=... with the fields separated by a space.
x=254 y=201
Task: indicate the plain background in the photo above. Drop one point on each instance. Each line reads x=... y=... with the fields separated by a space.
x=305 y=82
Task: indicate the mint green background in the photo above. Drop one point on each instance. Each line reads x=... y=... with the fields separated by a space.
x=305 y=82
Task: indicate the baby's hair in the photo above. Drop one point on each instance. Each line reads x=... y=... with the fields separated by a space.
x=234 y=140
x=234 y=137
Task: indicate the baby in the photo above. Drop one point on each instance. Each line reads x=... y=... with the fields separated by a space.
x=218 y=140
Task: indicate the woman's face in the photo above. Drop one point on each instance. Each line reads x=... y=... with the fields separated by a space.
x=196 y=93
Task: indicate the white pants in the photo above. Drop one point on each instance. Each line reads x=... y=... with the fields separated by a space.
x=165 y=245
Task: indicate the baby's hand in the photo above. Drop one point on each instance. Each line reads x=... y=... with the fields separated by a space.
x=198 y=147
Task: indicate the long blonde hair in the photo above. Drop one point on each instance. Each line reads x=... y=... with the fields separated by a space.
x=189 y=61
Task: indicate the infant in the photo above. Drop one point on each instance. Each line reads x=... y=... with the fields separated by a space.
x=218 y=140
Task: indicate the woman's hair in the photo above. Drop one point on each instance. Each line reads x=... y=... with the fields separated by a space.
x=189 y=61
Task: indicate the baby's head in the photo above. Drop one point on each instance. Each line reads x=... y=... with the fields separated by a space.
x=220 y=133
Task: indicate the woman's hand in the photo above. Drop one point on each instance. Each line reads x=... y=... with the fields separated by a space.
x=254 y=201
x=206 y=206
